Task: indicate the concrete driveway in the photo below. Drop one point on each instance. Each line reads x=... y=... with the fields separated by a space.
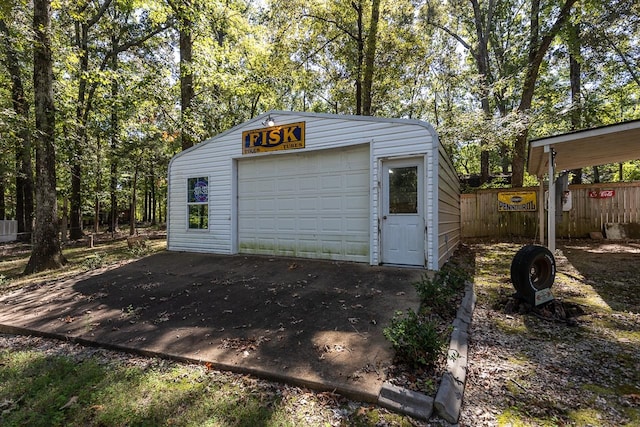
x=312 y=323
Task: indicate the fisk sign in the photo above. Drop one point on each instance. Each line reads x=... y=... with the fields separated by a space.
x=275 y=138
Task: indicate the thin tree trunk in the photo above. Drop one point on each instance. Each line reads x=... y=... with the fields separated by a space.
x=574 y=77
x=115 y=128
x=481 y=56
x=132 y=214
x=83 y=107
x=98 y=189
x=186 y=81
x=64 y=221
x=153 y=199
x=360 y=43
x=75 y=216
x=24 y=175
x=370 y=54
x=46 y=252
x=621 y=172
x=3 y=212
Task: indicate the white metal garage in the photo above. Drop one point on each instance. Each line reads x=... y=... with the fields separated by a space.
x=351 y=188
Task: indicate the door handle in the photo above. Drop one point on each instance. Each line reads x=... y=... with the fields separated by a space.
x=384 y=217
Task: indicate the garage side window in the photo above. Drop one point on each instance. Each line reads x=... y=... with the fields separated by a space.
x=198 y=203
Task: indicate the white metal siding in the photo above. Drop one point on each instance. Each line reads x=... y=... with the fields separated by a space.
x=218 y=157
x=449 y=226
x=313 y=205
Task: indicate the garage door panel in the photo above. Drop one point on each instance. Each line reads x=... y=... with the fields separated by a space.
x=309 y=204
x=306 y=204
x=331 y=204
x=285 y=185
x=286 y=205
x=308 y=183
x=332 y=182
x=356 y=225
x=307 y=225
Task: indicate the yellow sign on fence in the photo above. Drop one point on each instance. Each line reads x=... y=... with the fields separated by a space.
x=275 y=138
x=517 y=201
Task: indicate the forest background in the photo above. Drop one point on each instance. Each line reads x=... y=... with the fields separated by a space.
x=136 y=81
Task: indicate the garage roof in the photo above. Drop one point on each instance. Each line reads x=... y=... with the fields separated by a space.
x=592 y=147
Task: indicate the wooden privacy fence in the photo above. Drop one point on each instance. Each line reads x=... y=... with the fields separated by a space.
x=592 y=206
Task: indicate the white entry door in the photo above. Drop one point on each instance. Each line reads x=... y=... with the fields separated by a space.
x=403 y=233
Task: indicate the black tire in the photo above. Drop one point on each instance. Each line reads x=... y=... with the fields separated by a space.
x=532 y=269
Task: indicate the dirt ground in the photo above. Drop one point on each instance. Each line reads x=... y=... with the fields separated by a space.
x=313 y=322
x=527 y=370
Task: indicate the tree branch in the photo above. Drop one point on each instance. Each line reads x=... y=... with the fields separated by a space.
x=331 y=21
x=460 y=40
x=99 y=13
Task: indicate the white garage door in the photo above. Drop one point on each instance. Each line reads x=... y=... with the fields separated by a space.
x=313 y=205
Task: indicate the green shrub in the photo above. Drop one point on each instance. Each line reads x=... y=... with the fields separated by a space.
x=454 y=277
x=94 y=261
x=433 y=292
x=416 y=340
x=138 y=251
x=437 y=292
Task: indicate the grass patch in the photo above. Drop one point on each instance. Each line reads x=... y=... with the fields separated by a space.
x=511 y=417
x=511 y=326
x=80 y=259
x=39 y=389
x=58 y=391
x=585 y=417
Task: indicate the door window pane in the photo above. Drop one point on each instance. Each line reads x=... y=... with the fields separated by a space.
x=403 y=190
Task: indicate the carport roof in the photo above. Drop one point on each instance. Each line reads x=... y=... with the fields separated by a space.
x=608 y=144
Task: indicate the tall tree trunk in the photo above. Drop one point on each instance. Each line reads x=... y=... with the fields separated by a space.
x=132 y=212
x=46 y=252
x=98 y=189
x=370 y=54
x=145 y=205
x=574 y=77
x=154 y=202
x=75 y=215
x=83 y=107
x=186 y=81
x=24 y=169
x=3 y=206
x=481 y=56
x=538 y=48
x=360 y=47
x=115 y=129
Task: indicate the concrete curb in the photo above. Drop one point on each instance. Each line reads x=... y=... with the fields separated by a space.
x=448 y=401
x=405 y=401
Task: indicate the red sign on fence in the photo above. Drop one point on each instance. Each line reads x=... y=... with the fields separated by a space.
x=602 y=194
